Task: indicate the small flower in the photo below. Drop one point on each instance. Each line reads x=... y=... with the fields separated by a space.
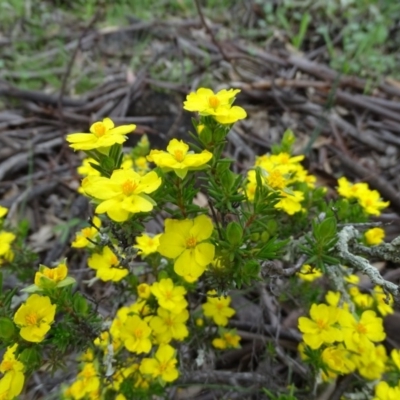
x=107 y=266
x=6 y=238
x=34 y=317
x=228 y=340
x=103 y=134
x=338 y=359
x=144 y=291
x=179 y=159
x=320 y=327
x=349 y=190
x=147 y=244
x=218 y=308
x=169 y=296
x=384 y=302
x=371 y=202
x=185 y=241
x=12 y=382
x=48 y=278
x=3 y=211
x=123 y=194
x=361 y=332
x=308 y=273
x=290 y=201
x=167 y=325
x=135 y=334
x=86 y=236
x=163 y=364
x=218 y=105
x=374 y=236
x=385 y=392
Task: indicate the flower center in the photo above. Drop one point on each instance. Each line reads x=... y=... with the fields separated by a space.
x=179 y=156
x=168 y=295
x=114 y=260
x=321 y=324
x=191 y=242
x=138 y=333
x=284 y=159
x=168 y=321
x=213 y=101
x=276 y=180
x=50 y=274
x=31 y=319
x=7 y=365
x=99 y=129
x=361 y=328
x=128 y=187
x=87 y=232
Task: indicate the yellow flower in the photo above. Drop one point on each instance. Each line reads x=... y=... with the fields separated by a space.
x=12 y=382
x=179 y=159
x=34 y=317
x=338 y=359
x=362 y=332
x=228 y=340
x=374 y=236
x=86 y=168
x=163 y=365
x=349 y=190
x=103 y=134
x=123 y=194
x=395 y=356
x=218 y=105
x=308 y=273
x=320 y=327
x=371 y=361
x=87 y=383
x=135 y=334
x=371 y=202
x=48 y=278
x=144 y=291
x=86 y=236
x=169 y=296
x=218 y=308
x=167 y=325
x=147 y=244
x=107 y=266
x=3 y=211
x=381 y=298
x=290 y=201
x=385 y=392
x=6 y=238
x=184 y=241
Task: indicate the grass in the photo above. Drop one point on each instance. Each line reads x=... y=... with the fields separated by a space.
x=367 y=48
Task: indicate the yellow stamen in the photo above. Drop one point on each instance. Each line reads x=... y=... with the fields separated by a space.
x=128 y=187
x=179 y=156
x=191 y=242
x=31 y=319
x=99 y=129
x=213 y=101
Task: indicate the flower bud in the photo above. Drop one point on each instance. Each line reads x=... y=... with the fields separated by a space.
x=234 y=233
x=7 y=328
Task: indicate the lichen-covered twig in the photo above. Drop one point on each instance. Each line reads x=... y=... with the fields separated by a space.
x=348 y=234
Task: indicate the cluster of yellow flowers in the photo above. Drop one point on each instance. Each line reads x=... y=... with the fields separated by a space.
x=349 y=341
x=12 y=382
x=34 y=319
x=369 y=200
x=139 y=345
x=280 y=173
x=148 y=326
x=6 y=239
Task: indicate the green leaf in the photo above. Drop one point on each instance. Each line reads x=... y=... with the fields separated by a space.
x=7 y=328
